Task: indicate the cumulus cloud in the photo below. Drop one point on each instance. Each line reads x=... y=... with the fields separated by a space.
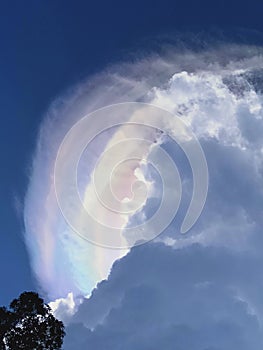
x=65 y=308
x=197 y=297
x=201 y=290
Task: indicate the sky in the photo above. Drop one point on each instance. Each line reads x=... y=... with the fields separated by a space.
x=60 y=60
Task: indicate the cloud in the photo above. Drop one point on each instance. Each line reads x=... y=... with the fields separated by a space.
x=201 y=290
x=197 y=297
x=65 y=308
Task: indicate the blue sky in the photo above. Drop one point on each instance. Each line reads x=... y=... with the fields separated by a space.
x=48 y=46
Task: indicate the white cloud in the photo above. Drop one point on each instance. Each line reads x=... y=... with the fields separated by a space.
x=64 y=308
x=199 y=291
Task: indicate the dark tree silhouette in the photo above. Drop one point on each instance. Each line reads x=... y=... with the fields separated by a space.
x=29 y=325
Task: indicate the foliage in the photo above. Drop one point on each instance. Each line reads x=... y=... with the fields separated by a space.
x=29 y=325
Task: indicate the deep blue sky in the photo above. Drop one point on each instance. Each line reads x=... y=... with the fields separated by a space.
x=46 y=46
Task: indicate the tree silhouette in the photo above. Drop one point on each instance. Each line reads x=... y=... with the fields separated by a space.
x=29 y=325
